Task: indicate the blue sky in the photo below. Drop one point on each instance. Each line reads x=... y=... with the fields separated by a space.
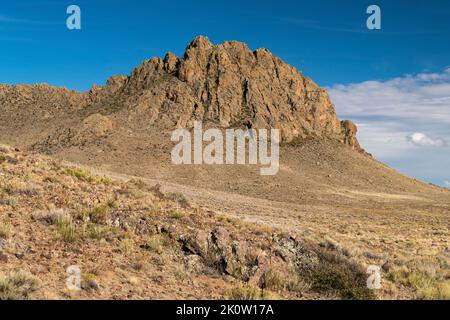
x=326 y=39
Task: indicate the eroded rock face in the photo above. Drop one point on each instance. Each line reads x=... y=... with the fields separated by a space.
x=219 y=249
x=230 y=85
x=349 y=129
x=225 y=85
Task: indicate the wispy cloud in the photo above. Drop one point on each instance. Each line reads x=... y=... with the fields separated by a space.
x=319 y=25
x=358 y=28
x=6 y=19
x=422 y=140
x=419 y=97
x=402 y=120
x=447 y=184
x=14 y=20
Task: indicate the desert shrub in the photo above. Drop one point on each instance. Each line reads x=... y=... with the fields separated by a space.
x=253 y=255
x=126 y=246
x=5 y=230
x=136 y=193
x=155 y=210
x=176 y=214
x=269 y=295
x=99 y=214
x=297 y=284
x=271 y=280
x=436 y=291
x=235 y=269
x=244 y=292
x=85 y=176
x=17 y=188
x=5 y=149
x=51 y=217
x=156 y=190
x=157 y=243
x=67 y=231
x=409 y=278
x=154 y=244
x=179 y=198
x=139 y=183
x=333 y=245
x=329 y=243
x=89 y=282
x=92 y=231
x=335 y=275
x=17 y=286
x=70 y=232
x=427 y=287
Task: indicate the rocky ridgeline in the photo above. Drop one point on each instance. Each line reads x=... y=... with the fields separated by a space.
x=225 y=85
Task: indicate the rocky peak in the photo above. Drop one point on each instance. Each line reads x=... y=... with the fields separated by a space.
x=116 y=81
x=171 y=62
x=230 y=85
x=200 y=43
x=227 y=85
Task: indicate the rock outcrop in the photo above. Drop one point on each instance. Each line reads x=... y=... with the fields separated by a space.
x=225 y=85
x=230 y=85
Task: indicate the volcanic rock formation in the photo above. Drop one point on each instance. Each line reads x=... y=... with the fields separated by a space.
x=225 y=85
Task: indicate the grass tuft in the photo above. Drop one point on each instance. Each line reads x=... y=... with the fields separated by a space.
x=246 y=292
x=67 y=231
x=85 y=176
x=427 y=287
x=271 y=280
x=177 y=215
x=5 y=230
x=17 y=286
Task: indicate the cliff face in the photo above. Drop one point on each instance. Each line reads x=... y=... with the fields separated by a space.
x=230 y=85
x=224 y=85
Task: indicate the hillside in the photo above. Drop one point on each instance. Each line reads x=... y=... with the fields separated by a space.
x=329 y=193
x=132 y=241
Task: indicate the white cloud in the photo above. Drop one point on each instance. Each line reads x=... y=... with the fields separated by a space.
x=424 y=96
x=447 y=184
x=422 y=140
x=402 y=120
x=434 y=76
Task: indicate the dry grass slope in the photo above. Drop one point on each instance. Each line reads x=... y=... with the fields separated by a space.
x=131 y=240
